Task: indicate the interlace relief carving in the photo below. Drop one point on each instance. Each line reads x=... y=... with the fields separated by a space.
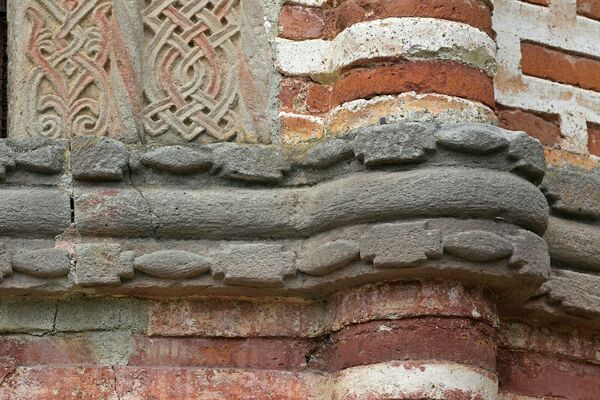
x=191 y=69
x=69 y=45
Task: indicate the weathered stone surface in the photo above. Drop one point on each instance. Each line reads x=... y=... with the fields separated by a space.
x=255 y=265
x=394 y=144
x=573 y=292
x=101 y=314
x=172 y=264
x=251 y=163
x=328 y=257
x=5 y=262
x=102 y=264
x=25 y=315
x=328 y=153
x=46 y=159
x=573 y=191
x=230 y=213
x=478 y=246
x=472 y=138
x=98 y=159
x=528 y=154
x=232 y=317
x=401 y=245
x=7 y=158
x=574 y=244
x=45 y=263
x=178 y=159
x=113 y=212
x=530 y=254
x=34 y=211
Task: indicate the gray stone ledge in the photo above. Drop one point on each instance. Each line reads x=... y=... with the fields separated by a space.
x=573 y=244
x=403 y=145
x=34 y=211
x=573 y=192
x=354 y=255
x=570 y=293
x=241 y=213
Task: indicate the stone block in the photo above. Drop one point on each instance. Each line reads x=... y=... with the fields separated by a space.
x=102 y=264
x=401 y=245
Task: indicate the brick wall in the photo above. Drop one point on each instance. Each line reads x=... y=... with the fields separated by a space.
x=333 y=215
x=548 y=73
x=545 y=70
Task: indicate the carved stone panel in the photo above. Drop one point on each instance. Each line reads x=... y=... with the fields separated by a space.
x=168 y=71
x=190 y=73
x=75 y=69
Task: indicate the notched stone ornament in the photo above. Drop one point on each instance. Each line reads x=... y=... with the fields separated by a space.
x=172 y=264
x=394 y=144
x=328 y=257
x=530 y=254
x=44 y=263
x=98 y=159
x=46 y=160
x=472 y=138
x=401 y=244
x=252 y=163
x=528 y=154
x=478 y=246
x=178 y=159
x=102 y=264
x=573 y=191
x=257 y=265
x=328 y=153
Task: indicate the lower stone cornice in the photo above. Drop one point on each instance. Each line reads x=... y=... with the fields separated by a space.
x=502 y=257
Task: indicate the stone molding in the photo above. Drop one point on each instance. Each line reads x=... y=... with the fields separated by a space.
x=97 y=214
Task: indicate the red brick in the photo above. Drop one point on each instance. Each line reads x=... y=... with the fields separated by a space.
x=290 y=93
x=318 y=98
x=212 y=384
x=64 y=383
x=254 y=353
x=397 y=300
x=560 y=66
x=237 y=318
x=304 y=22
x=544 y=127
x=459 y=340
x=589 y=8
x=471 y=12
x=48 y=350
x=300 y=22
x=594 y=139
x=537 y=375
x=443 y=77
x=571 y=344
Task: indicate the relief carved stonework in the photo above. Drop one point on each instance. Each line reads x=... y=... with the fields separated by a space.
x=190 y=76
x=168 y=71
x=75 y=68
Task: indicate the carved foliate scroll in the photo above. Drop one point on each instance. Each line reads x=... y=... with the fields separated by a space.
x=191 y=69
x=75 y=70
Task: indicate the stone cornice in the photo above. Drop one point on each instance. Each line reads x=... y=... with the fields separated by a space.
x=405 y=201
